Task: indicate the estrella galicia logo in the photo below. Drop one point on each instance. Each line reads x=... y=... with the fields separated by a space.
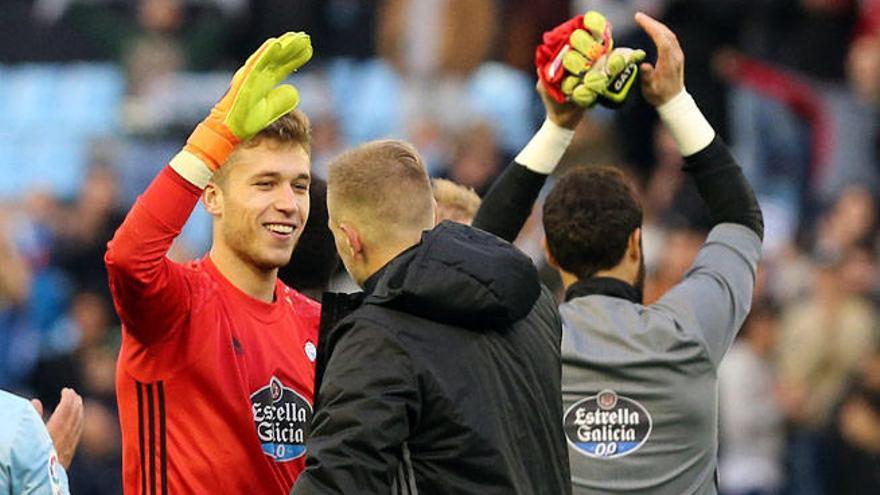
x=282 y=418
x=607 y=425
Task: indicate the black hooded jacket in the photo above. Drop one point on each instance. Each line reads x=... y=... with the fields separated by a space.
x=444 y=379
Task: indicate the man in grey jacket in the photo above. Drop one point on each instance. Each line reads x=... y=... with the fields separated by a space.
x=639 y=382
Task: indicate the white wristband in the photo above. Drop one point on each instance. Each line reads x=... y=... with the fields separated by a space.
x=546 y=148
x=690 y=129
x=191 y=168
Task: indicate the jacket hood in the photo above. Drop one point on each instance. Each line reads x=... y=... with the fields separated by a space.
x=459 y=275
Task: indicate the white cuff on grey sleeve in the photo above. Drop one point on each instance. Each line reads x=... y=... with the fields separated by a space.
x=690 y=129
x=546 y=148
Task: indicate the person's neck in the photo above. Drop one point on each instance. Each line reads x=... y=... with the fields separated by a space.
x=253 y=281
x=619 y=272
x=381 y=257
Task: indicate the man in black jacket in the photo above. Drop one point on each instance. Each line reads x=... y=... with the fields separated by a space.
x=445 y=377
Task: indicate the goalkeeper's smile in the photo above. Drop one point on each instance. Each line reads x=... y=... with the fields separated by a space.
x=263 y=204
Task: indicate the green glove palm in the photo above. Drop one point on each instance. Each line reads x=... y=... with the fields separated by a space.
x=254 y=99
x=259 y=102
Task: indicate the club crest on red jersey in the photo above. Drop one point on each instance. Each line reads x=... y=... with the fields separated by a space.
x=281 y=417
x=607 y=425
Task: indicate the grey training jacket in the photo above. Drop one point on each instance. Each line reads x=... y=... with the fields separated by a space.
x=640 y=382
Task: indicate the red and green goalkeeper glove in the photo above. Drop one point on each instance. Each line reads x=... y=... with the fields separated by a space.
x=254 y=99
x=578 y=62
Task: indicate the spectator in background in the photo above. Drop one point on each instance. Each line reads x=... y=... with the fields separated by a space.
x=801 y=133
x=15 y=276
x=476 y=159
x=83 y=229
x=863 y=66
x=98 y=462
x=752 y=429
x=453 y=44
x=863 y=63
x=454 y=201
x=857 y=432
x=824 y=339
x=521 y=25
x=16 y=335
x=154 y=40
x=850 y=221
x=85 y=353
x=326 y=143
x=679 y=249
x=199 y=40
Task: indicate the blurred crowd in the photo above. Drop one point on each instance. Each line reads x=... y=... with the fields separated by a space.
x=792 y=85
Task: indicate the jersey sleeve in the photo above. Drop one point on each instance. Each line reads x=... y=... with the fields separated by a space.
x=33 y=463
x=150 y=292
x=715 y=296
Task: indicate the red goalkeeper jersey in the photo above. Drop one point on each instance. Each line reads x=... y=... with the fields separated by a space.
x=214 y=387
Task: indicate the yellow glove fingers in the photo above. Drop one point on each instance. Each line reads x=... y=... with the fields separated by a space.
x=584 y=96
x=281 y=100
x=568 y=84
x=277 y=60
x=251 y=61
x=296 y=50
x=620 y=58
x=595 y=23
x=595 y=81
x=581 y=41
x=268 y=58
x=575 y=63
x=616 y=63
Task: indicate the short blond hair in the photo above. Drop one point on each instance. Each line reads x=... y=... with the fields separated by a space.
x=292 y=129
x=384 y=186
x=454 y=201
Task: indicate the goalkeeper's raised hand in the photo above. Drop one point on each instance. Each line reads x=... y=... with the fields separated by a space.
x=665 y=79
x=569 y=51
x=253 y=101
x=577 y=62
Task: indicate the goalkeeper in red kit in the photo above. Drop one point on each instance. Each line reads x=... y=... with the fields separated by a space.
x=215 y=377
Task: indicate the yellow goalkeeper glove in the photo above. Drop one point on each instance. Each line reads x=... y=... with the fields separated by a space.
x=254 y=99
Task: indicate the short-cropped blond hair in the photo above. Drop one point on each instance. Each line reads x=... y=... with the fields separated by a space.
x=455 y=202
x=383 y=184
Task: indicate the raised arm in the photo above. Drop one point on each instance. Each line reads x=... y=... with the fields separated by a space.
x=715 y=295
x=708 y=162
x=150 y=292
x=509 y=201
x=577 y=68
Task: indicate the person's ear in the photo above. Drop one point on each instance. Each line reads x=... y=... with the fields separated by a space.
x=212 y=199
x=551 y=260
x=634 y=245
x=353 y=240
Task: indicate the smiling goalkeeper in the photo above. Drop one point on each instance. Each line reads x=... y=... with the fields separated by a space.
x=215 y=377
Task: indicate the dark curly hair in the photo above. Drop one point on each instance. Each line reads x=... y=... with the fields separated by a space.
x=588 y=218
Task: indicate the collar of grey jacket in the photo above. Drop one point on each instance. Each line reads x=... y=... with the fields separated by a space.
x=604 y=286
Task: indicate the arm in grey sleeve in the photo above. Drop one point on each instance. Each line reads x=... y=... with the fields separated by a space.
x=714 y=298
x=33 y=462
